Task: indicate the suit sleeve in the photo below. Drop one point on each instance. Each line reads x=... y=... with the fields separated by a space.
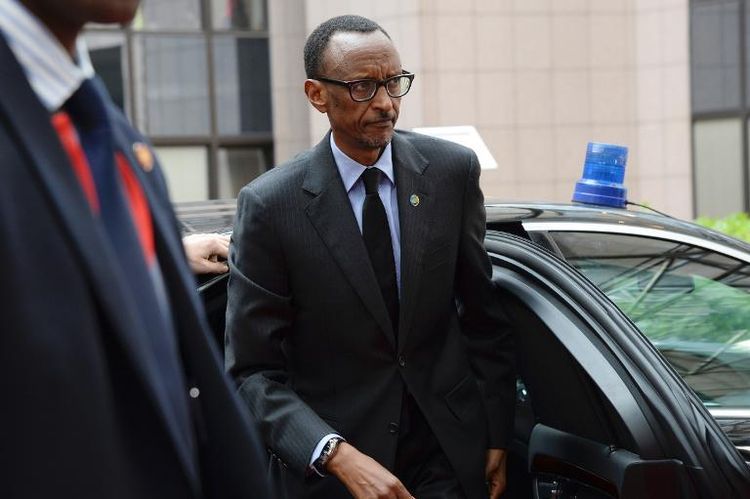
x=483 y=320
x=259 y=318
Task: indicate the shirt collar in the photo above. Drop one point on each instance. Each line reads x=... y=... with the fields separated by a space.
x=51 y=72
x=350 y=170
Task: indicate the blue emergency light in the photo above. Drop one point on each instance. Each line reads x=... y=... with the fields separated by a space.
x=603 y=175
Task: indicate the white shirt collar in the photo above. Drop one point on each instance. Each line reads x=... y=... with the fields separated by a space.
x=351 y=170
x=51 y=72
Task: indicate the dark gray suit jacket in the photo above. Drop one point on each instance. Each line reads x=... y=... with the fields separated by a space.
x=82 y=415
x=308 y=335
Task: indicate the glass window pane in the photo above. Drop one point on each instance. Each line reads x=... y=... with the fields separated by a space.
x=715 y=59
x=692 y=303
x=168 y=14
x=172 y=93
x=243 y=84
x=718 y=167
x=108 y=52
x=239 y=14
x=238 y=166
x=186 y=169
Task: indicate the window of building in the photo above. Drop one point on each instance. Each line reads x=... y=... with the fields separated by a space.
x=109 y=55
x=194 y=76
x=239 y=14
x=243 y=99
x=157 y=15
x=239 y=165
x=717 y=159
x=720 y=98
x=186 y=169
x=171 y=86
x=715 y=61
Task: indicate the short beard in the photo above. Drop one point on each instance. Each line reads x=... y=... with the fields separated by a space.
x=374 y=143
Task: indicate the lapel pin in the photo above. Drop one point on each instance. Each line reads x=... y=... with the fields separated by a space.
x=144 y=156
x=414 y=200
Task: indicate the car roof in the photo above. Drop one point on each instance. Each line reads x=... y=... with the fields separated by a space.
x=543 y=216
x=218 y=216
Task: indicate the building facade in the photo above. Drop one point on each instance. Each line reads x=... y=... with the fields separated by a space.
x=538 y=78
x=218 y=86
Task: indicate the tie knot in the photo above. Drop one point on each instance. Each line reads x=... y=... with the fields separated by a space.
x=371 y=178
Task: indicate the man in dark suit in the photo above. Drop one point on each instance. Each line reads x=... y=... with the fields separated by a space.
x=110 y=385
x=361 y=324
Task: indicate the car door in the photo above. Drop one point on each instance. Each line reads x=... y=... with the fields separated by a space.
x=690 y=297
x=600 y=413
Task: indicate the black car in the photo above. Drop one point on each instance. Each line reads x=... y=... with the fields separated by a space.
x=601 y=412
x=687 y=289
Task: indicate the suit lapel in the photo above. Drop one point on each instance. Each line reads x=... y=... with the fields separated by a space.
x=30 y=121
x=338 y=229
x=414 y=218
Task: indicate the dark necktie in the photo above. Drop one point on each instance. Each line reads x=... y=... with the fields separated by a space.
x=155 y=341
x=377 y=236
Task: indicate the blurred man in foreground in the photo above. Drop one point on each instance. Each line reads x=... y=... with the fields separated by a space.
x=111 y=387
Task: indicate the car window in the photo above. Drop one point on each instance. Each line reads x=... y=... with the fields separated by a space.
x=692 y=303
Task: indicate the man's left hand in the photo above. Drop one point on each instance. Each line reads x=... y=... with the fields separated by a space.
x=495 y=472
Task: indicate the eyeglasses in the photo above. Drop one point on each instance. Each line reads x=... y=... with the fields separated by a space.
x=364 y=90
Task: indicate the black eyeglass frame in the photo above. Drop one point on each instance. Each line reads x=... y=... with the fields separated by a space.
x=378 y=83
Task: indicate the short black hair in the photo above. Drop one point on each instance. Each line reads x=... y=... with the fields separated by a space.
x=317 y=42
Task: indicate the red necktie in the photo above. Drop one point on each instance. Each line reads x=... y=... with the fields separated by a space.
x=69 y=138
x=137 y=202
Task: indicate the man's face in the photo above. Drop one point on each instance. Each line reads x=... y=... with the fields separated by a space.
x=360 y=129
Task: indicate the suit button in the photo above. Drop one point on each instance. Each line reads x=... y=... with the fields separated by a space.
x=402 y=361
x=393 y=428
x=194 y=392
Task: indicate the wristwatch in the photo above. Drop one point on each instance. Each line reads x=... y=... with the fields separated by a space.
x=329 y=449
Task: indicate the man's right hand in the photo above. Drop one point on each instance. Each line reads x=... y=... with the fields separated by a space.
x=207 y=253
x=363 y=476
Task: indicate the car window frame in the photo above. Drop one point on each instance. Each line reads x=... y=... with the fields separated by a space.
x=689 y=425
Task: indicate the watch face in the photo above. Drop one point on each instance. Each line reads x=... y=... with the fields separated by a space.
x=328 y=449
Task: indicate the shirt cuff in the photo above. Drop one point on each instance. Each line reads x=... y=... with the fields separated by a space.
x=319 y=449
